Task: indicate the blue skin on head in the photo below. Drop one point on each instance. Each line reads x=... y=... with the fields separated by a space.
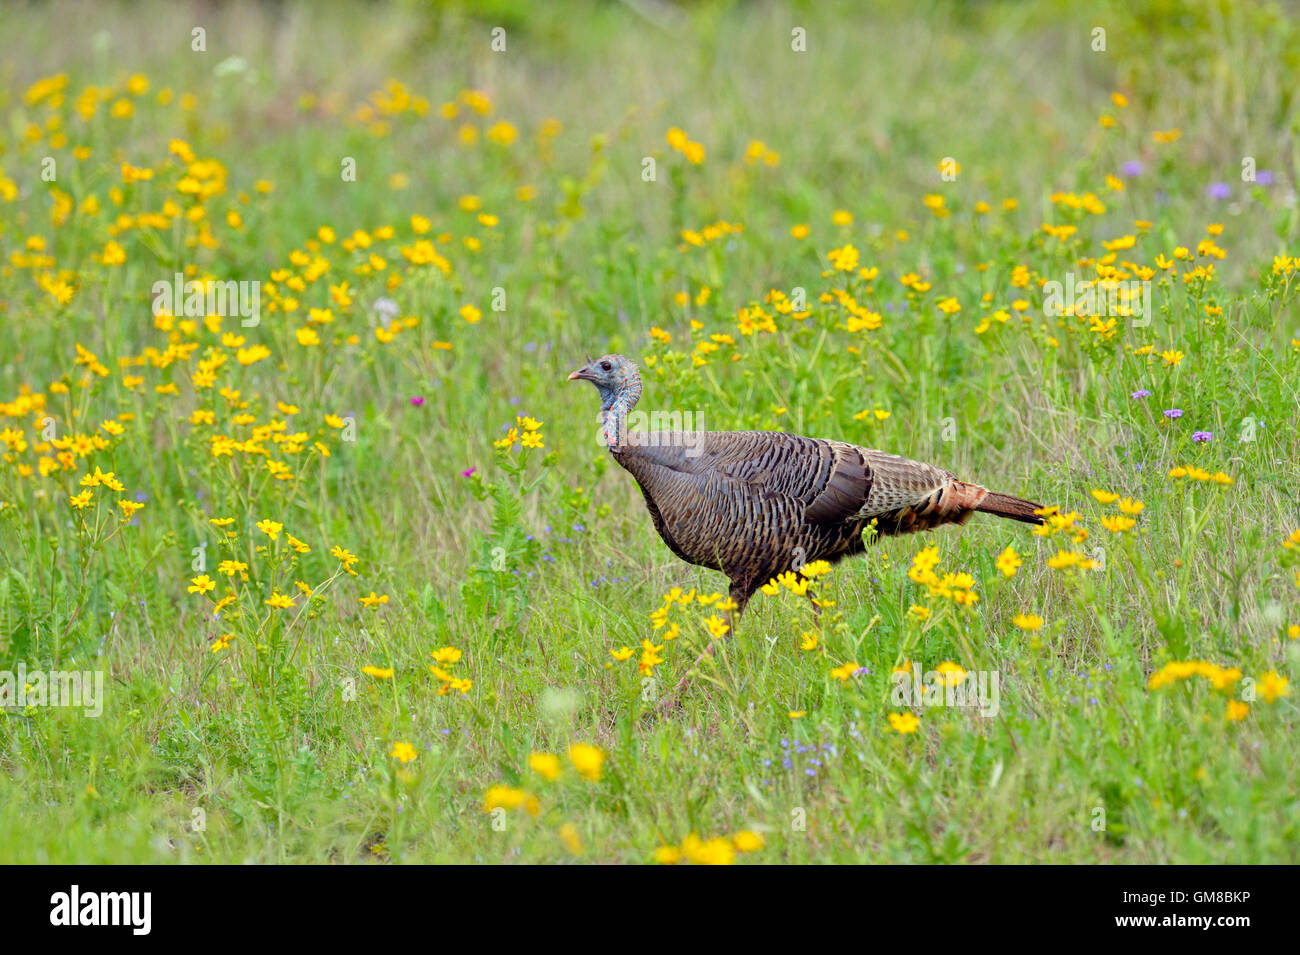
x=619 y=383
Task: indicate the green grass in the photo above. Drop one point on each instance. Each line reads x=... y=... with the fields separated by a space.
x=543 y=561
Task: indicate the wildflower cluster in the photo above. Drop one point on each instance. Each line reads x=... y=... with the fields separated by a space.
x=587 y=762
x=799 y=581
x=719 y=850
x=957 y=587
x=1270 y=686
x=1193 y=473
x=1129 y=509
x=529 y=428
x=1220 y=678
x=443 y=660
x=693 y=151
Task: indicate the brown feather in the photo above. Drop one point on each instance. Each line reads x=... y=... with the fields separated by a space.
x=751 y=503
x=754 y=504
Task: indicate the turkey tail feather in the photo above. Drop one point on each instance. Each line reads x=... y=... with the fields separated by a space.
x=1004 y=505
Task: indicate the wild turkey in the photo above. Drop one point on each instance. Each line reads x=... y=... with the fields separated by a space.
x=751 y=503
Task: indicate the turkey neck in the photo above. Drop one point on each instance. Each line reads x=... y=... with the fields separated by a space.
x=615 y=404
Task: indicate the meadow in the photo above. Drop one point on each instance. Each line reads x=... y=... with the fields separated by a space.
x=362 y=583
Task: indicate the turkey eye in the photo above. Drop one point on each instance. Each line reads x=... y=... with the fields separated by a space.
x=605 y=366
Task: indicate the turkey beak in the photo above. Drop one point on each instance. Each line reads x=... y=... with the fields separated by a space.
x=580 y=375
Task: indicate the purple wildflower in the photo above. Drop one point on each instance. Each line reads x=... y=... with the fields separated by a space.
x=468 y=472
x=1218 y=190
x=1199 y=436
x=1173 y=413
x=1131 y=168
x=1265 y=178
x=417 y=401
x=1140 y=393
